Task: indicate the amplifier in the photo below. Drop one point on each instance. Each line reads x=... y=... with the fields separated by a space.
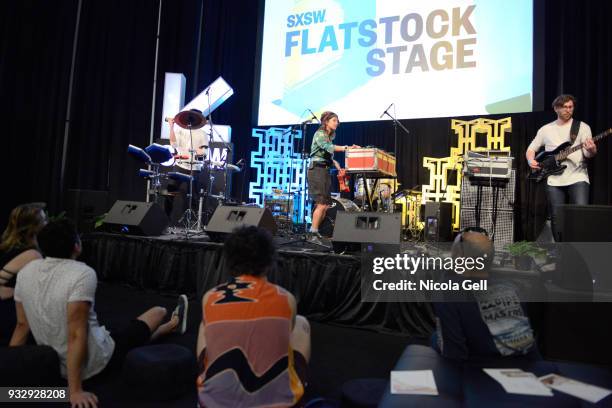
x=505 y=198
x=484 y=167
x=281 y=207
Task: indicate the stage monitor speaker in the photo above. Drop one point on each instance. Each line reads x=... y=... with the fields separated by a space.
x=580 y=269
x=442 y=212
x=355 y=228
x=85 y=207
x=584 y=223
x=136 y=218
x=227 y=218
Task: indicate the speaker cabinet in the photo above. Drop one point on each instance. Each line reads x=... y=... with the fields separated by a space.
x=584 y=263
x=136 y=218
x=438 y=217
x=354 y=228
x=584 y=223
x=227 y=218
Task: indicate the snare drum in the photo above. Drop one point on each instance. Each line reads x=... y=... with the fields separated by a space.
x=338 y=204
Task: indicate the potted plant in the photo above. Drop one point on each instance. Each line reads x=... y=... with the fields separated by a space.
x=524 y=253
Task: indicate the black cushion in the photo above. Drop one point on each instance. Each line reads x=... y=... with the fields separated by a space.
x=362 y=392
x=159 y=372
x=29 y=366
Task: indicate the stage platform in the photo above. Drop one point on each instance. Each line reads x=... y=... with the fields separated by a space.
x=325 y=285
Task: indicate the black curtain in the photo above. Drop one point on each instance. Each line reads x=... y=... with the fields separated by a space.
x=35 y=57
x=113 y=90
x=229 y=41
x=112 y=93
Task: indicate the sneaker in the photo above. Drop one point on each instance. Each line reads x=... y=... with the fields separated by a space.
x=316 y=234
x=180 y=311
x=316 y=238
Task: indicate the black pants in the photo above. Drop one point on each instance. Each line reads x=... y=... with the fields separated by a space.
x=577 y=193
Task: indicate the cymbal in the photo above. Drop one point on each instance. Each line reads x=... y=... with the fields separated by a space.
x=191 y=117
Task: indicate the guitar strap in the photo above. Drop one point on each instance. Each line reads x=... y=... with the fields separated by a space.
x=574 y=130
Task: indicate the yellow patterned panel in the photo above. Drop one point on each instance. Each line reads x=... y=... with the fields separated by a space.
x=438 y=188
x=411 y=210
x=466 y=131
x=466 y=134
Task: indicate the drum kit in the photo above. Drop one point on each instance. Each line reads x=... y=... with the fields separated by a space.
x=157 y=156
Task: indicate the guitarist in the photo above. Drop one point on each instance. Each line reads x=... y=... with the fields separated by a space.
x=572 y=185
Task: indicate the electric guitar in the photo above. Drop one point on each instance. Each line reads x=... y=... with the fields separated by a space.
x=551 y=162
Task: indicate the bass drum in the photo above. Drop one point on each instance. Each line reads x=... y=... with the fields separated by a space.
x=338 y=204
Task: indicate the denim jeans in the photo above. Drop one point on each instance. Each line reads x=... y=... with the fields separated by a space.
x=577 y=193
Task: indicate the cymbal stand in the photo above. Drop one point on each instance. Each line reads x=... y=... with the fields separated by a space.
x=188 y=216
x=155 y=182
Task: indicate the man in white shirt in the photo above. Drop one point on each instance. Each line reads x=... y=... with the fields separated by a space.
x=571 y=186
x=54 y=298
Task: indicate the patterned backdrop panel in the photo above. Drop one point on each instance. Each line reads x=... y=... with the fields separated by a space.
x=279 y=168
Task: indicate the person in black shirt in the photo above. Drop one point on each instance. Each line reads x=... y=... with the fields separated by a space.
x=17 y=248
x=492 y=323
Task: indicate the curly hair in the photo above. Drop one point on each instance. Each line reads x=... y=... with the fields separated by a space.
x=249 y=251
x=562 y=100
x=25 y=222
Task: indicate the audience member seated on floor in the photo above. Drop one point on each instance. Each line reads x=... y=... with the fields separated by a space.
x=252 y=348
x=494 y=324
x=54 y=298
x=18 y=247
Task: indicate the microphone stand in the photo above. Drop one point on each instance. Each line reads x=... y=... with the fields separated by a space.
x=396 y=123
x=303 y=155
x=211 y=177
x=300 y=192
x=289 y=220
x=187 y=217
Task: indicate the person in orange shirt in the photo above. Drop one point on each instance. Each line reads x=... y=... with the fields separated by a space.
x=253 y=349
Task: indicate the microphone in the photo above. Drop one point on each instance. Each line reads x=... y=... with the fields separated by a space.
x=313 y=115
x=388 y=107
x=241 y=161
x=168 y=119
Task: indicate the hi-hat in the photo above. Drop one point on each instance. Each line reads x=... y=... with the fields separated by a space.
x=192 y=118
